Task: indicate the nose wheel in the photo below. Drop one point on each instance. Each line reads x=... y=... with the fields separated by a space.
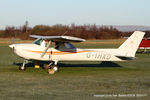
x=23 y=65
x=21 y=68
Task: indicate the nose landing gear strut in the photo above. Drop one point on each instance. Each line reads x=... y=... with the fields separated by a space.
x=22 y=67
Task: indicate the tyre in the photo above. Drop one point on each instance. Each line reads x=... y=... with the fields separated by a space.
x=45 y=66
x=21 y=68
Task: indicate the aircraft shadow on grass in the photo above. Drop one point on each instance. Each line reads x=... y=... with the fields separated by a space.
x=102 y=64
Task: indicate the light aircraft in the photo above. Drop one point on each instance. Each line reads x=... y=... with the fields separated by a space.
x=41 y=50
x=145 y=44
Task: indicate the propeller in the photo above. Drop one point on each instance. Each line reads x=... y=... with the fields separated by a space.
x=12 y=45
x=12 y=40
x=44 y=52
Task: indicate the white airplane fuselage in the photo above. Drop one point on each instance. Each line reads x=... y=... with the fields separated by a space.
x=34 y=51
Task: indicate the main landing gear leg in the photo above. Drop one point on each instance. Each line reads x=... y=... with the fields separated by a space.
x=23 y=65
x=53 y=68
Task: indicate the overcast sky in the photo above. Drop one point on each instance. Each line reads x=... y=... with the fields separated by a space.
x=50 y=12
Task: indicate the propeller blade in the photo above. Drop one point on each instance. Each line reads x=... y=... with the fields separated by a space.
x=12 y=40
x=44 y=52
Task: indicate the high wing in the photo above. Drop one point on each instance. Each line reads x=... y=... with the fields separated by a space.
x=59 y=38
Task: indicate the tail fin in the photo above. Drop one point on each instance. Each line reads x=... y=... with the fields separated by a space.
x=130 y=46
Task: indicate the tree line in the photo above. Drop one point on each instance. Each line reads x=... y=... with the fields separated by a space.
x=82 y=31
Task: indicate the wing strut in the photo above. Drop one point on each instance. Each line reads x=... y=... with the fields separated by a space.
x=44 y=52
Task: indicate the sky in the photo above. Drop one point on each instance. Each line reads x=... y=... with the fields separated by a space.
x=80 y=12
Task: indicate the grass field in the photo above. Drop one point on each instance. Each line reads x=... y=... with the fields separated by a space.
x=75 y=80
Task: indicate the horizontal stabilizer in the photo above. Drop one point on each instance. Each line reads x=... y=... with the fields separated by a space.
x=125 y=58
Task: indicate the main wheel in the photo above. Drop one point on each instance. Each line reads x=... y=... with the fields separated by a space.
x=21 y=68
x=45 y=66
x=56 y=68
x=52 y=69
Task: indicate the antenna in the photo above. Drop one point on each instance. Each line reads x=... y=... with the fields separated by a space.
x=64 y=33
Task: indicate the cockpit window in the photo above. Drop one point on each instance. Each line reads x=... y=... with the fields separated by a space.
x=41 y=42
x=59 y=45
x=38 y=41
x=69 y=46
